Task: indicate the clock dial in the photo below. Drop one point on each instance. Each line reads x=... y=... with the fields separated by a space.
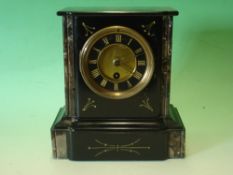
x=116 y=62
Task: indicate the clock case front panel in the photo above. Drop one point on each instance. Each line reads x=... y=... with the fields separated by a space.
x=85 y=103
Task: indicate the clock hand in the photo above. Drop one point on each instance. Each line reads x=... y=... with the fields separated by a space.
x=124 y=60
x=126 y=67
x=113 y=54
x=118 y=60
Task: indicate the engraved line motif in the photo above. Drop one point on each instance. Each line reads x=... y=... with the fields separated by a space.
x=146 y=104
x=88 y=29
x=130 y=148
x=147 y=28
x=90 y=103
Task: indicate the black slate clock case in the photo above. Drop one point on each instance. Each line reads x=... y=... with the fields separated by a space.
x=142 y=127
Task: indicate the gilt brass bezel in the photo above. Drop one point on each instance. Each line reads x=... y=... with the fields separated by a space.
x=86 y=74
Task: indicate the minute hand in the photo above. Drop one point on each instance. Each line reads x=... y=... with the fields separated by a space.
x=126 y=67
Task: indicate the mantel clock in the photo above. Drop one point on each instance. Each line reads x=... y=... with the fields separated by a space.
x=117 y=86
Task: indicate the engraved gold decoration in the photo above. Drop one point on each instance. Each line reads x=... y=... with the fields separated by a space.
x=89 y=30
x=130 y=148
x=116 y=58
x=147 y=28
x=90 y=104
x=146 y=104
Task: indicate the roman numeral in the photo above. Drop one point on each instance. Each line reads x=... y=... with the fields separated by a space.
x=105 y=40
x=130 y=41
x=129 y=84
x=141 y=63
x=137 y=75
x=92 y=61
x=97 y=50
x=103 y=83
x=118 y=38
x=95 y=73
x=139 y=50
x=116 y=87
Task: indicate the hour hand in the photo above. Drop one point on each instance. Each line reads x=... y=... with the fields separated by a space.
x=126 y=66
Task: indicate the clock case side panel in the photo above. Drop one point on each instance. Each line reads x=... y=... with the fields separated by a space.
x=171 y=117
x=166 y=63
x=69 y=66
x=121 y=108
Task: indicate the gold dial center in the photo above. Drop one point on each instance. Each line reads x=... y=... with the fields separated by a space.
x=117 y=59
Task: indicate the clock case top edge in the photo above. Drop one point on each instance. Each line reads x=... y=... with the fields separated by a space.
x=118 y=11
